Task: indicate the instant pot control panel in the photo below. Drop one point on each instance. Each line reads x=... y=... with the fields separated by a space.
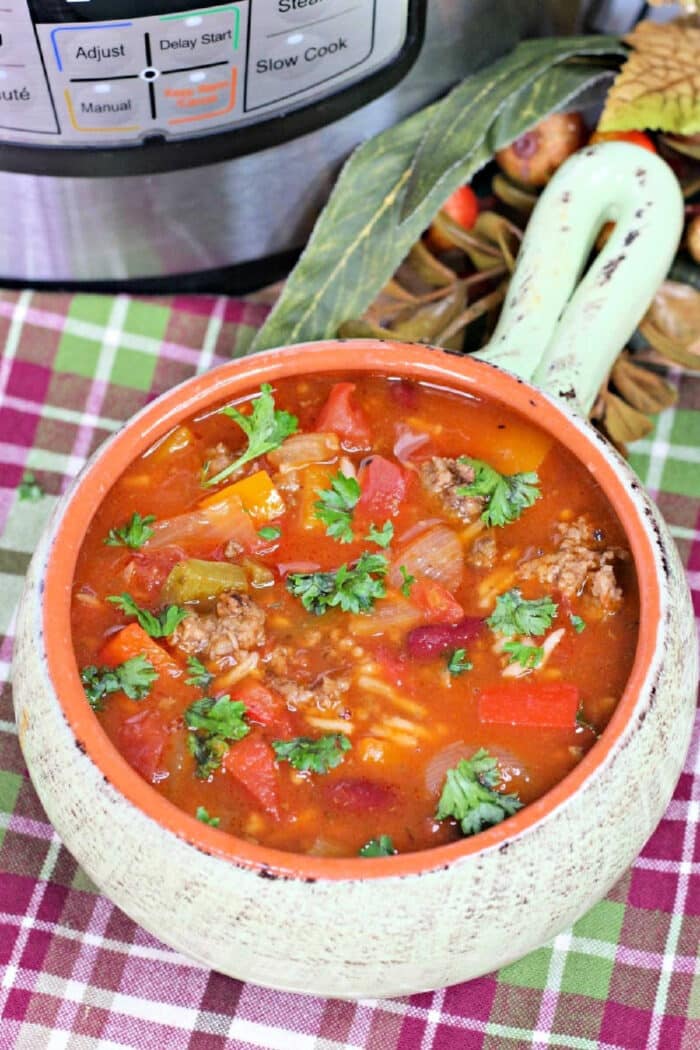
x=110 y=73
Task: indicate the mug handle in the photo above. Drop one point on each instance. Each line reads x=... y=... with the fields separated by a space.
x=563 y=335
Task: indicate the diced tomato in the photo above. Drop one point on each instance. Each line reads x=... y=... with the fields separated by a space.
x=264 y=706
x=147 y=571
x=546 y=704
x=141 y=740
x=383 y=487
x=252 y=762
x=637 y=138
x=132 y=641
x=435 y=602
x=358 y=795
x=344 y=418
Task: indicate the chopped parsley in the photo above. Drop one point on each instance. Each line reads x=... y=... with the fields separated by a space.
x=216 y=723
x=379 y=847
x=208 y=752
x=408 y=581
x=458 y=662
x=219 y=717
x=266 y=428
x=134 y=677
x=507 y=495
x=529 y=656
x=577 y=623
x=313 y=755
x=199 y=676
x=134 y=534
x=270 y=532
x=382 y=537
x=29 y=490
x=353 y=589
x=159 y=626
x=514 y=614
x=201 y=814
x=469 y=795
x=335 y=505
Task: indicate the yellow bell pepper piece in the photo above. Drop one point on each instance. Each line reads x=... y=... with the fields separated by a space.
x=258 y=495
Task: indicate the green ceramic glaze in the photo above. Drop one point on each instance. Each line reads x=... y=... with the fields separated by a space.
x=564 y=336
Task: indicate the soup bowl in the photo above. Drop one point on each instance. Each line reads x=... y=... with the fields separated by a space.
x=394 y=925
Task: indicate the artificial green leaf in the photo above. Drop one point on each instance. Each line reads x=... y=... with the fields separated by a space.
x=29 y=489
x=466 y=127
x=359 y=240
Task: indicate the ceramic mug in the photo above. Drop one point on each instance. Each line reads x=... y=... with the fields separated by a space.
x=391 y=926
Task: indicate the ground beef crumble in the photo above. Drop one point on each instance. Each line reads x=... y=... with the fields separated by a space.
x=325 y=694
x=580 y=563
x=236 y=626
x=483 y=551
x=442 y=477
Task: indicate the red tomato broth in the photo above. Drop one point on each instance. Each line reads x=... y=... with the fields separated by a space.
x=379 y=788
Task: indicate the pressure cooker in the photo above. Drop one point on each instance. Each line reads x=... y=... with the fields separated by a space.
x=150 y=139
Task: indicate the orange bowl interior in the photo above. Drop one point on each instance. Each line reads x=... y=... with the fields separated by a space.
x=460 y=374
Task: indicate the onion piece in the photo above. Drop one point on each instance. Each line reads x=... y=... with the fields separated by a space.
x=206 y=528
x=436 y=553
x=407 y=442
x=300 y=450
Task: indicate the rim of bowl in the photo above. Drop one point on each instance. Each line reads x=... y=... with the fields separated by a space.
x=461 y=374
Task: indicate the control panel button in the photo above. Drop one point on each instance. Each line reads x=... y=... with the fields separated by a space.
x=107 y=105
x=196 y=38
x=196 y=96
x=25 y=104
x=318 y=49
x=108 y=50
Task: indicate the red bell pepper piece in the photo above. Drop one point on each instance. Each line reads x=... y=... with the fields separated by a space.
x=345 y=419
x=252 y=762
x=547 y=704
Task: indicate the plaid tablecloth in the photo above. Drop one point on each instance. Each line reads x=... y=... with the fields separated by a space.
x=76 y=973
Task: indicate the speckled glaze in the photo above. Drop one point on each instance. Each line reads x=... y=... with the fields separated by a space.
x=357 y=927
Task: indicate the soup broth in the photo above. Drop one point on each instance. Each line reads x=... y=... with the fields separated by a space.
x=354 y=614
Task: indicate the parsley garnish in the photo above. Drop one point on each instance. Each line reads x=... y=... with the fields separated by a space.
x=529 y=656
x=408 y=581
x=315 y=755
x=270 y=532
x=469 y=797
x=352 y=589
x=458 y=662
x=159 y=626
x=134 y=534
x=134 y=678
x=380 y=847
x=216 y=722
x=208 y=751
x=514 y=614
x=29 y=488
x=199 y=676
x=266 y=428
x=382 y=537
x=219 y=717
x=335 y=506
x=201 y=814
x=577 y=623
x=508 y=495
